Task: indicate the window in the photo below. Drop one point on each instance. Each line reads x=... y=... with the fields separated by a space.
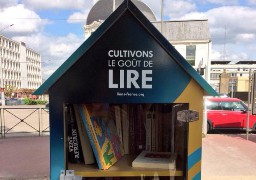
x=232 y=106
x=215 y=76
x=213 y=105
x=191 y=54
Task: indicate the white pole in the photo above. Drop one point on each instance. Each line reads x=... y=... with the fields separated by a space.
x=114 y=5
x=204 y=116
x=232 y=90
x=162 y=12
x=248 y=111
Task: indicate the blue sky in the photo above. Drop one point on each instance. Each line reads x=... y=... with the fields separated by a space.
x=55 y=29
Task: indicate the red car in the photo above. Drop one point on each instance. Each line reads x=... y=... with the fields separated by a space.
x=228 y=113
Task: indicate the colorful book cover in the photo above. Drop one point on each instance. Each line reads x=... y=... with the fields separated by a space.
x=102 y=133
x=74 y=149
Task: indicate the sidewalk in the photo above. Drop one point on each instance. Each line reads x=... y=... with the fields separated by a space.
x=24 y=158
x=229 y=157
x=224 y=157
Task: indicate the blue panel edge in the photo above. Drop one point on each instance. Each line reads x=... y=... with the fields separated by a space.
x=194 y=158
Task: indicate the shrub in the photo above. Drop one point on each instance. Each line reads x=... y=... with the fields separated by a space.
x=29 y=101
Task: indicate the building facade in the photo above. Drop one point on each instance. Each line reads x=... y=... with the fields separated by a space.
x=20 y=67
x=238 y=75
x=193 y=41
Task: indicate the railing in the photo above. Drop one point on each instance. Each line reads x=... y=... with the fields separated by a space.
x=24 y=121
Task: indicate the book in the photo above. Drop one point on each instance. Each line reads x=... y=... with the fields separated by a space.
x=140 y=130
x=74 y=150
x=156 y=160
x=132 y=123
x=118 y=122
x=153 y=129
x=102 y=133
x=159 y=137
x=167 y=128
x=148 y=130
x=125 y=129
x=84 y=139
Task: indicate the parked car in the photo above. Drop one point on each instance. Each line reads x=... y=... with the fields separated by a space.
x=228 y=113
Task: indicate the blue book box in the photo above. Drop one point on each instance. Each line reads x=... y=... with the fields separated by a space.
x=128 y=61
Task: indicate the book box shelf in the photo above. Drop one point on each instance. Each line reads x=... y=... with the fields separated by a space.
x=169 y=129
x=128 y=61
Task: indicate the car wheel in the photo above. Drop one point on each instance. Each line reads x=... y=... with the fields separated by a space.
x=254 y=128
x=209 y=127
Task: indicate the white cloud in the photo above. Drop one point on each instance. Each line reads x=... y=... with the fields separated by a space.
x=224 y=2
x=253 y=2
x=8 y=3
x=57 y=4
x=78 y=17
x=26 y=22
x=54 y=50
x=155 y=6
x=232 y=26
x=177 y=8
x=216 y=55
x=245 y=37
x=64 y=46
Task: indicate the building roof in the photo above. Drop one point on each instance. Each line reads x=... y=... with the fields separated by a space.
x=103 y=8
x=220 y=62
x=184 y=30
x=246 y=62
x=128 y=8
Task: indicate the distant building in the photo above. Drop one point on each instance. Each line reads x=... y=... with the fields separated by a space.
x=20 y=66
x=193 y=41
x=238 y=74
x=190 y=37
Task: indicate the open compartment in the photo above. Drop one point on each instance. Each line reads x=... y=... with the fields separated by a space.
x=131 y=129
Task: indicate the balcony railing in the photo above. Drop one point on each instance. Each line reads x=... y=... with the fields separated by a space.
x=20 y=121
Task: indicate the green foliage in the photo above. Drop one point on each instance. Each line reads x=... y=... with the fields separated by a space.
x=29 y=101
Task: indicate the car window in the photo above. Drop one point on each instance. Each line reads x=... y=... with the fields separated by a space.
x=238 y=106
x=232 y=106
x=226 y=106
x=213 y=105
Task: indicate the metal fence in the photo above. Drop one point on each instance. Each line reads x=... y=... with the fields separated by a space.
x=20 y=121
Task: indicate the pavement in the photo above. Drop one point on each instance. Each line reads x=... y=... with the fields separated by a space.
x=224 y=157
x=25 y=157
x=229 y=157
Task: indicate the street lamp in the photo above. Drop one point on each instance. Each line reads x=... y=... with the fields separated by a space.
x=1 y=63
x=6 y=27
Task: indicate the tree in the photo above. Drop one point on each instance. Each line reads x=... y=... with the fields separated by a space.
x=9 y=90
x=25 y=91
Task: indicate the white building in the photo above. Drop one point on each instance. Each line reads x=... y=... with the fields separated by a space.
x=190 y=37
x=20 y=67
x=238 y=73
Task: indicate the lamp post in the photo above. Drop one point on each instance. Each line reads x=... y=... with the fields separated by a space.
x=1 y=63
